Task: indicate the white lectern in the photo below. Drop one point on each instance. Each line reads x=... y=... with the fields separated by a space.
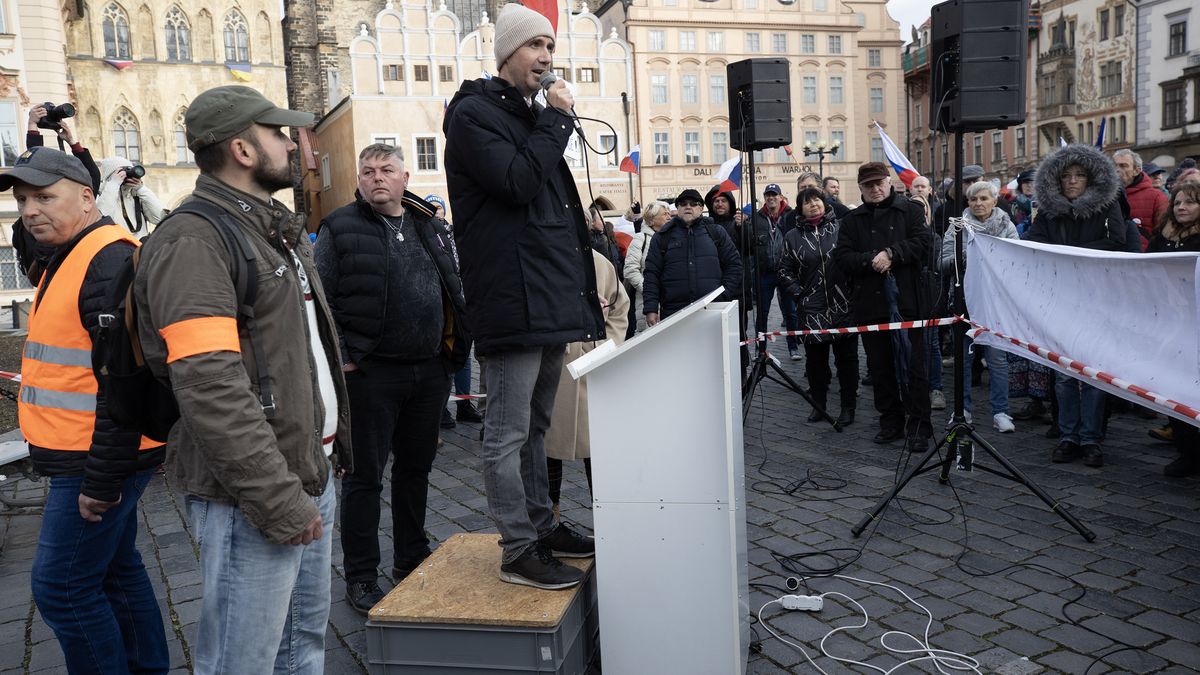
x=669 y=485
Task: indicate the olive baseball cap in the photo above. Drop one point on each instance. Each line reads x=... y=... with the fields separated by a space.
x=220 y=113
x=40 y=166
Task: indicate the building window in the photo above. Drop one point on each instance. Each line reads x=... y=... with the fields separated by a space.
x=1110 y=78
x=838 y=137
x=420 y=73
x=183 y=154
x=658 y=88
x=608 y=151
x=835 y=44
x=1118 y=20
x=945 y=155
x=720 y=147
x=977 y=145
x=393 y=141
x=658 y=41
x=836 y=90
x=116 y=33
x=445 y=73
x=997 y=146
x=808 y=88
x=779 y=43
x=393 y=72
x=3 y=24
x=752 y=43
x=11 y=276
x=1020 y=136
x=1103 y=24
x=808 y=44
x=1079 y=137
x=874 y=58
x=179 y=41
x=691 y=147
x=716 y=89
x=687 y=41
x=1112 y=130
x=125 y=136
x=1177 y=39
x=1091 y=133
x=919 y=160
x=716 y=42
x=1049 y=88
x=1124 y=129
x=876 y=99
x=690 y=88
x=1174 y=105
x=920 y=120
x=561 y=72
x=326 y=173
x=1069 y=91
x=662 y=147
x=876 y=149
x=237 y=38
x=810 y=136
x=820 y=5
x=587 y=74
x=751 y=4
x=427 y=154
x=9 y=149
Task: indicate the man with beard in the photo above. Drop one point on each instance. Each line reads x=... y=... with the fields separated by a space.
x=264 y=416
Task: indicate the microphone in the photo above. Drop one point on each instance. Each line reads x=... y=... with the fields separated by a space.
x=548 y=78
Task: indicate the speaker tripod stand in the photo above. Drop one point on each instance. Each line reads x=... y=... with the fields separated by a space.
x=962 y=431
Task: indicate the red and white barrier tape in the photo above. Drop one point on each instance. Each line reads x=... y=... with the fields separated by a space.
x=12 y=377
x=1090 y=372
x=872 y=328
x=466 y=397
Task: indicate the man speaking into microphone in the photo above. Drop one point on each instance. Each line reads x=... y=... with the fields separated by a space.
x=528 y=279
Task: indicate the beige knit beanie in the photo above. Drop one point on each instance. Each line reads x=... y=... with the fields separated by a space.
x=515 y=26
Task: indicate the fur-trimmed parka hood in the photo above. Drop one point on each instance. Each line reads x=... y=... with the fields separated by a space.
x=1103 y=182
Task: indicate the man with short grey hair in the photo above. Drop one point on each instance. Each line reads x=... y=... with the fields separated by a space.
x=1147 y=204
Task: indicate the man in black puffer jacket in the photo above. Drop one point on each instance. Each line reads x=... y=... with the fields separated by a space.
x=688 y=258
x=529 y=279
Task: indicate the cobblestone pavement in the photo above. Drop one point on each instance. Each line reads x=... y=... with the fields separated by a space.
x=1140 y=579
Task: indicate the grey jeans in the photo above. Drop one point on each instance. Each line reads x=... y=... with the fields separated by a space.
x=520 y=387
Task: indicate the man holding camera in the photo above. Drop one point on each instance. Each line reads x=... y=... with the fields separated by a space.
x=125 y=198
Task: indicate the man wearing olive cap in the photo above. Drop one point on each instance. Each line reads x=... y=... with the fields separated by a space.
x=256 y=455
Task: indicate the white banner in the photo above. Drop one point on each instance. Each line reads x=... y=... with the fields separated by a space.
x=1132 y=316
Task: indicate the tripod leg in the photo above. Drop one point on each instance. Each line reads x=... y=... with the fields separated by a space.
x=1023 y=479
x=896 y=489
x=794 y=386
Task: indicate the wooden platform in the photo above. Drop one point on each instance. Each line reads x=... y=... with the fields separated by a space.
x=460 y=584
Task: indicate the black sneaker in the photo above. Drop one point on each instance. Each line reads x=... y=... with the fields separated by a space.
x=467 y=412
x=1092 y=456
x=363 y=595
x=567 y=543
x=537 y=568
x=1066 y=451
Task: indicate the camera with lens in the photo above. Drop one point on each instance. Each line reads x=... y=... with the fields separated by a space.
x=55 y=114
x=134 y=171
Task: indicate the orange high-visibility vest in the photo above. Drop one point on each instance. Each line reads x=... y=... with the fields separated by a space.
x=57 y=407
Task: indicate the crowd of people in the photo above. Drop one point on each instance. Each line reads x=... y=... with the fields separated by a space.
x=342 y=358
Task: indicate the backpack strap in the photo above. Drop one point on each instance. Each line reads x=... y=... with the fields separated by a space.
x=245 y=281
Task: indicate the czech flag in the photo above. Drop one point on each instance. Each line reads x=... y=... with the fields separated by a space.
x=118 y=63
x=904 y=168
x=631 y=162
x=729 y=176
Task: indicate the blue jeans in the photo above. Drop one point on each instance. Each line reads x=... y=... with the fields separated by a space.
x=768 y=286
x=521 y=384
x=933 y=358
x=265 y=605
x=91 y=586
x=462 y=379
x=1080 y=410
x=997 y=363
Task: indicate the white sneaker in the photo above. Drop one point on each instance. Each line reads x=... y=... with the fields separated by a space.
x=1003 y=423
x=937 y=400
x=950 y=422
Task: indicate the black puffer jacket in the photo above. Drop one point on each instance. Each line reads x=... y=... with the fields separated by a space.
x=768 y=238
x=1094 y=219
x=522 y=236
x=354 y=264
x=807 y=271
x=686 y=262
x=898 y=226
x=114 y=454
x=735 y=232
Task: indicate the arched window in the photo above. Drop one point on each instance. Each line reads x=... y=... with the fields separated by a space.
x=116 y=32
x=179 y=36
x=183 y=154
x=125 y=136
x=237 y=38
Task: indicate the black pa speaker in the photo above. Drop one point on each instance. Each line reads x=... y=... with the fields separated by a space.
x=760 y=104
x=977 y=64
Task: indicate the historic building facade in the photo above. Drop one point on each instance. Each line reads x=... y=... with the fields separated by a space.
x=1168 y=81
x=404 y=64
x=844 y=74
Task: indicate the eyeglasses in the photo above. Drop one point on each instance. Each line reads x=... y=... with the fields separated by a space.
x=686 y=204
x=1066 y=177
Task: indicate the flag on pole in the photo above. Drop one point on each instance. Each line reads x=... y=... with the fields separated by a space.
x=631 y=162
x=487 y=75
x=1100 y=136
x=729 y=176
x=904 y=168
x=118 y=63
x=240 y=71
x=788 y=150
x=547 y=8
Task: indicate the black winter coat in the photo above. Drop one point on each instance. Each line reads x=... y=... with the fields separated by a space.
x=354 y=264
x=897 y=225
x=807 y=271
x=519 y=225
x=114 y=455
x=685 y=263
x=736 y=232
x=768 y=238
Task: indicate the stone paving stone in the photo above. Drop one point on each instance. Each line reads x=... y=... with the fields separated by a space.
x=1022 y=642
x=1077 y=638
x=976 y=624
x=12 y=653
x=1064 y=661
x=1169 y=625
x=1029 y=619
x=1122 y=631
x=47 y=655
x=1180 y=653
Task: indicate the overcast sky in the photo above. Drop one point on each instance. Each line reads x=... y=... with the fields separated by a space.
x=909 y=13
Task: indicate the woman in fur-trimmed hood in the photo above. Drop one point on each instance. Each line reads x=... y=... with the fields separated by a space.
x=1077 y=189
